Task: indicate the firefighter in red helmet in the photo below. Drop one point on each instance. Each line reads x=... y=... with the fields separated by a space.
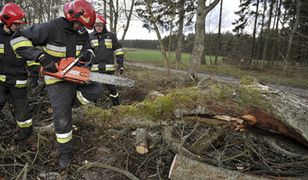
x=13 y=73
x=61 y=38
x=107 y=47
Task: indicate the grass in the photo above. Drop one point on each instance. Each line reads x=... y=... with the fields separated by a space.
x=268 y=76
x=154 y=56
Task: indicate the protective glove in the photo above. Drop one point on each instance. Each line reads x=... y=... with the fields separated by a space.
x=120 y=62
x=33 y=76
x=48 y=64
x=86 y=57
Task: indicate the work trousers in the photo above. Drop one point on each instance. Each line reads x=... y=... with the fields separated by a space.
x=62 y=96
x=22 y=112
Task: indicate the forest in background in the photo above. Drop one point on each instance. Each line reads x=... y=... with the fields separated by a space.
x=267 y=33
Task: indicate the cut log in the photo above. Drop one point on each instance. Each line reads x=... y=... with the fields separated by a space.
x=183 y=168
x=255 y=103
x=141 y=141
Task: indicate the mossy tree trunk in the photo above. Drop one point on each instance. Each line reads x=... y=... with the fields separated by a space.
x=273 y=110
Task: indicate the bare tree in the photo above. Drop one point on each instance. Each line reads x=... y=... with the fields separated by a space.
x=262 y=28
x=198 y=48
x=105 y=8
x=128 y=15
x=254 y=32
x=291 y=36
x=218 y=50
x=276 y=45
x=180 y=36
x=111 y=15
x=267 y=32
x=161 y=44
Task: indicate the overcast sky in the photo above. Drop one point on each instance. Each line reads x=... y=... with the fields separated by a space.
x=229 y=6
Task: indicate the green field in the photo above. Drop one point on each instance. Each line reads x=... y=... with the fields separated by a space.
x=268 y=76
x=154 y=56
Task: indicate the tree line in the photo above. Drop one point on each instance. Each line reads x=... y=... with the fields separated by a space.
x=266 y=33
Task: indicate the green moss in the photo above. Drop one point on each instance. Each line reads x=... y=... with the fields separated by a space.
x=219 y=96
x=129 y=110
x=97 y=113
x=251 y=97
x=220 y=92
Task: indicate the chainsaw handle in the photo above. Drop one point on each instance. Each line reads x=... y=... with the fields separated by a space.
x=70 y=66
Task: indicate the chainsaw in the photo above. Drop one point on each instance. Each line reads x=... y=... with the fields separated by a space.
x=69 y=70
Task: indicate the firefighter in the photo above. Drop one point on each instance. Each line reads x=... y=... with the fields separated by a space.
x=13 y=70
x=60 y=38
x=106 y=47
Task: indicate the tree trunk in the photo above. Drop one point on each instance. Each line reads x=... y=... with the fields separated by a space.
x=180 y=36
x=111 y=15
x=267 y=33
x=254 y=33
x=219 y=40
x=287 y=58
x=275 y=49
x=129 y=17
x=199 y=35
x=262 y=31
x=198 y=48
x=116 y=16
x=183 y=168
x=105 y=8
x=272 y=110
x=161 y=44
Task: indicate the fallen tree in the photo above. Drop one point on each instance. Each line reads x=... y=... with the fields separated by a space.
x=185 y=168
x=250 y=103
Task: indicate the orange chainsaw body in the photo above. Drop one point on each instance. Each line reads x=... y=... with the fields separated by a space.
x=76 y=74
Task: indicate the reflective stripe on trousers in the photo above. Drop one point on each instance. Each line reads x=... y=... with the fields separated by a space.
x=62 y=96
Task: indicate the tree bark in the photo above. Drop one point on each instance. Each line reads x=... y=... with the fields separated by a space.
x=272 y=110
x=262 y=31
x=183 y=168
x=287 y=58
x=160 y=40
x=275 y=49
x=141 y=144
x=105 y=8
x=254 y=33
x=178 y=51
x=198 y=48
x=219 y=40
x=111 y=15
x=129 y=17
x=116 y=16
x=267 y=33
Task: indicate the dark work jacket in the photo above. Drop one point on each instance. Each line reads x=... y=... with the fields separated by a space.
x=11 y=67
x=106 y=46
x=57 y=39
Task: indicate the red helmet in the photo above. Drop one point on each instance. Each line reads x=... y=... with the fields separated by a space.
x=81 y=11
x=100 y=19
x=12 y=13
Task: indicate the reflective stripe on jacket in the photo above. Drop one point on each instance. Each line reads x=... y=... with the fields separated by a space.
x=57 y=38
x=12 y=68
x=106 y=46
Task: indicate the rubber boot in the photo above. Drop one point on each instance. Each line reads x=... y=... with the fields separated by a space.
x=115 y=101
x=64 y=160
x=23 y=134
